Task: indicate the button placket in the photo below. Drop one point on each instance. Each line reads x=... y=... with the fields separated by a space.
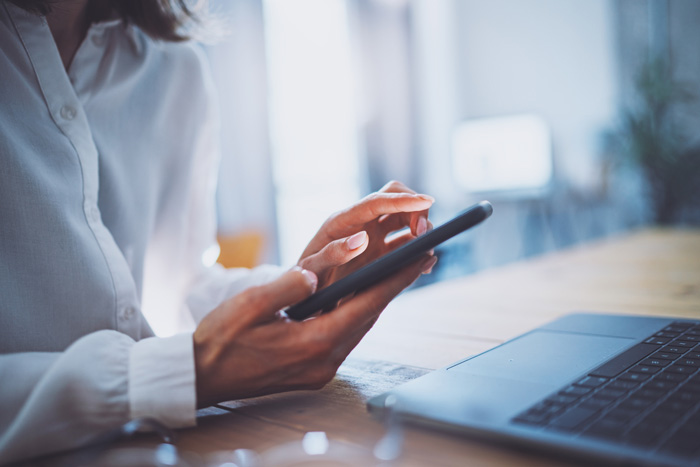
x=64 y=100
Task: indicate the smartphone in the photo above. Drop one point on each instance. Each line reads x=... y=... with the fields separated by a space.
x=390 y=263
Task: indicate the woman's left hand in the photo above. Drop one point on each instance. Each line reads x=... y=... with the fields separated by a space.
x=351 y=238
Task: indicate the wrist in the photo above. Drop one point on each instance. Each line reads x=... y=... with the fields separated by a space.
x=204 y=364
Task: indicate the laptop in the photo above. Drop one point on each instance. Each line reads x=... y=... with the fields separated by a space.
x=619 y=389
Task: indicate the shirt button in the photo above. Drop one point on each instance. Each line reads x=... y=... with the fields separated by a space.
x=68 y=112
x=128 y=312
x=98 y=40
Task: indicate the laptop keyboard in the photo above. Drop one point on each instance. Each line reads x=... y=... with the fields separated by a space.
x=648 y=397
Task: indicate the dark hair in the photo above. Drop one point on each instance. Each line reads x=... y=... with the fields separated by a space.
x=160 y=19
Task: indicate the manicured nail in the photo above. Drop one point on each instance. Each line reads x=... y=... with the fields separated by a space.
x=428 y=265
x=357 y=240
x=426 y=197
x=422 y=226
x=311 y=278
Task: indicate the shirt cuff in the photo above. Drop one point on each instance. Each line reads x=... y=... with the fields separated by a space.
x=162 y=380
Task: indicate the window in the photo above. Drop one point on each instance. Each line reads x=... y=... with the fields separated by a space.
x=313 y=117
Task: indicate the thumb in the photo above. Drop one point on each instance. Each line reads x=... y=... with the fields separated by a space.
x=291 y=287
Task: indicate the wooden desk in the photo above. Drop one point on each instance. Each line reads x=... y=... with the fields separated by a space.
x=651 y=272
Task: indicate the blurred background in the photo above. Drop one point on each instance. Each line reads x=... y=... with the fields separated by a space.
x=577 y=119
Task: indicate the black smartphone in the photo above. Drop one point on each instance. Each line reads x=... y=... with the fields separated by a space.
x=390 y=263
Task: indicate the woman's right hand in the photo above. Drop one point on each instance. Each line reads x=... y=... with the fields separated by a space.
x=246 y=348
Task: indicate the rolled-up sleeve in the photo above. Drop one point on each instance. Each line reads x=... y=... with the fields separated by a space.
x=53 y=401
x=162 y=380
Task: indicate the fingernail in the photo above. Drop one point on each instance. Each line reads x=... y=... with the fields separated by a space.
x=428 y=265
x=357 y=240
x=422 y=226
x=310 y=278
x=426 y=197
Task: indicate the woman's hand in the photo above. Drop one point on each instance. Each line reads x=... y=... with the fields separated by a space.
x=356 y=236
x=246 y=348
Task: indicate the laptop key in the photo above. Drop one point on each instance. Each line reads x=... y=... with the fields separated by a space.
x=606 y=393
x=675 y=406
x=561 y=399
x=661 y=355
x=667 y=334
x=650 y=393
x=682 y=369
x=685 y=397
x=658 y=340
x=592 y=381
x=660 y=418
x=688 y=362
x=653 y=361
x=553 y=410
x=531 y=419
x=622 y=414
x=622 y=385
x=674 y=377
x=594 y=403
x=636 y=403
x=575 y=391
x=657 y=383
x=625 y=360
x=638 y=377
x=674 y=329
x=683 y=344
x=692 y=386
x=645 y=434
x=539 y=414
x=673 y=349
x=573 y=418
x=606 y=428
x=645 y=369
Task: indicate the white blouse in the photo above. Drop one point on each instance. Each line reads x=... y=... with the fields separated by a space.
x=106 y=207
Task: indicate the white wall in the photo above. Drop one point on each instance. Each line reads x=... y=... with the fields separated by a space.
x=499 y=57
x=246 y=195
x=486 y=58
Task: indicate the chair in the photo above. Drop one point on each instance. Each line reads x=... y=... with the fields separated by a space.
x=241 y=250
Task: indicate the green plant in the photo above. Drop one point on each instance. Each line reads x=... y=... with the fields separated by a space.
x=654 y=141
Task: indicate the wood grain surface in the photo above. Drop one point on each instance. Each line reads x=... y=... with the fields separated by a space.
x=649 y=272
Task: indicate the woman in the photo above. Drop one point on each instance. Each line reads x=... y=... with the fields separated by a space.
x=108 y=150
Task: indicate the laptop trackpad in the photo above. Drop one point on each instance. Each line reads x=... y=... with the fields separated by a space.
x=545 y=357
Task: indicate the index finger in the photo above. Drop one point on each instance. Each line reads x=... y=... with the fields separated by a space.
x=418 y=220
x=368 y=209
